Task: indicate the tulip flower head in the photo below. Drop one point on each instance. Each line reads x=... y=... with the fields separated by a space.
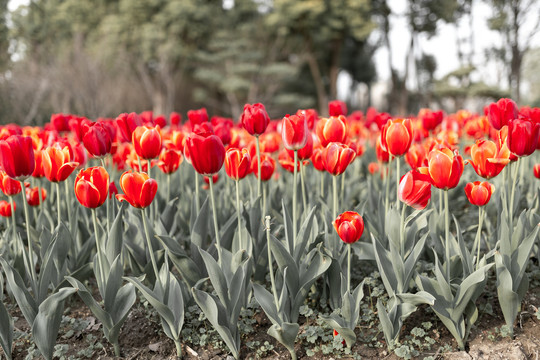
x=127 y=123
x=487 y=160
x=294 y=132
x=337 y=107
x=139 y=190
x=206 y=153
x=33 y=196
x=255 y=119
x=332 y=129
x=536 y=171
x=92 y=186
x=17 y=157
x=5 y=208
x=479 y=193
x=349 y=226
x=57 y=164
x=268 y=166
x=169 y=160
x=415 y=189
x=337 y=157
x=9 y=186
x=97 y=140
x=397 y=136
x=445 y=168
x=501 y=112
x=522 y=136
x=237 y=163
x=147 y=142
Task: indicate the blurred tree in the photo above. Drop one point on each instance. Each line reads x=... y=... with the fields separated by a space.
x=511 y=19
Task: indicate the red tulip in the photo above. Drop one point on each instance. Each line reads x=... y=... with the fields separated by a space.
x=113 y=190
x=445 y=168
x=416 y=156
x=9 y=186
x=237 y=163
x=38 y=169
x=197 y=116
x=92 y=186
x=373 y=168
x=305 y=152
x=57 y=164
x=268 y=165
x=215 y=179
x=310 y=115
x=501 y=112
x=479 y=193
x=522 y=136
x=349 y=226
x=255 y=119
x=287 y=161
x=487 y=160
x=294 y=132
x=207 y=154
x=97 y=140
x=127 y=123
x=333 y=129
x=33 y=196
x=169 y=160
x=415 y=189
x=397 y=136
x=139 y=190
x=382 y=155
x=336 y=108
x=5 y=208
x=317 y=159
x=430 y=119
x=536 y=171
x=337 y=157
x=147 y=142
x=17 y=157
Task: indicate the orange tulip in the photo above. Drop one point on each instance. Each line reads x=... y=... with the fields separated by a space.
x=91 y=187
x=9 y=186
x=445 y=168
x=5 y=208
x=33 y=196
x=139 y=190
x=57 y=164
x=147 y=142
x=337 y=157
x=397 y=136
x=169 y=160
x=479 y=193
x=333 y=129
x=237 y=163
x=487 y=160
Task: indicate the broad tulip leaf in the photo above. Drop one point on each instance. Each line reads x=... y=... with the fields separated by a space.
x=26 y=302
x=285 y=333
x=6 y=329
x=216 y=277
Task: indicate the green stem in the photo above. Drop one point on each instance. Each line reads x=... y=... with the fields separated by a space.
x=178 y=349
x=106 y=199
x=116 y=346
x=402 y=232
x=59 y=215
x=295 y=188
x=259 y=184
x=14 y=223
x=397 y=183
x=479 y=235
x=140 y=164
x=348 y=268
x=197 y=203
x=168 y=188
x=334 y=187
x=68 y=201
x=99 y=249
x=149 y=243
x=322 y=184
x=238 y=215
x=214 y=213
x=447 y=235
x=265 y=187
x=152 y=205
x=386 y=170
x=440 y=201
x=512 y=195
x=302 y=182
x=272 y=278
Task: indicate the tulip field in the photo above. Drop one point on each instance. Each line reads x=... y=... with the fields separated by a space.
x=348 y=236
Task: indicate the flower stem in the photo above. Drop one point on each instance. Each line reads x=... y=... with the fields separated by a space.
x=14 y=223
x=149 y=243
x=348 y=268
x=334 y=187
x=447 y=235
x=302 y=182
x=322 y=184
x=512 y=195
x=68 y=201
x=237 y=182
x=197 y=203
x=259 y=184
x=272 y=279
x=59 y=216
x=402 y=232
x=99 y=249
x=265 y=187
x=295 y=188
x=397 y=183
x=106 y=199
x=440 y=201
x=168 y=188
x=386 y=169
x=178 y=349
x=479 y=235
x=214 y=213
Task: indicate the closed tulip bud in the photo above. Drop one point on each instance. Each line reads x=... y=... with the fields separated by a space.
x=196 y=117
x=397 y=136
x=522 y=136
x=317 y=159
x=33 y=196
x=17 y=157
x=336 y=108
x=215 y=179
x=169 y=160
x=349 y=226
x=9 y=186
x=415 y=189
x=97 y=140
x=445 y=168
x=311 y=117
x=255 y=119
x=127 y=123
x=57 y=164
x=487 y=160
x=207 y=154
x=536 y=171
x=147 y=142
x=382 y=155
x=294 y=132
x=175 y=119
x=5 y=208
x=333 y=129
x=501 y=112
x=479 y=193
x=113 y=190
x=430 y=119
x=139 y=190
x=337 y=157
x=268 y=166
x=92 y=186
x=237 y=163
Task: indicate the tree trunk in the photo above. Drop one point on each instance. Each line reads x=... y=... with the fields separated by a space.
x=334 y=66
x=322 y=96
